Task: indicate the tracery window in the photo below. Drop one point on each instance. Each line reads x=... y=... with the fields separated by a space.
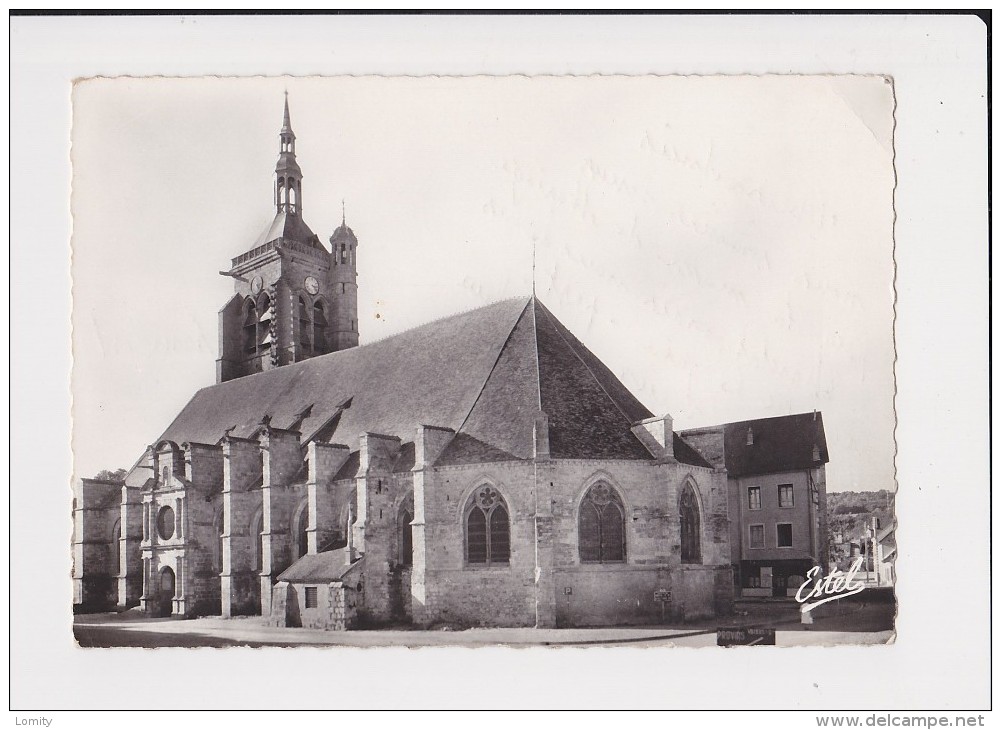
x=601 y=526
x=691 y=538
x=488 y=529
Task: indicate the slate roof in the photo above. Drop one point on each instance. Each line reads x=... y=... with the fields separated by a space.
x=323 y=567
x=782 y=443
x=483 y=373
x=291 y=227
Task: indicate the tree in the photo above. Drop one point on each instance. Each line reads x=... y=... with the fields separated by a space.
x=117 y=475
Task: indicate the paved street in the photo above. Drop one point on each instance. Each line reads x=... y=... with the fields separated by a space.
x=840 y=622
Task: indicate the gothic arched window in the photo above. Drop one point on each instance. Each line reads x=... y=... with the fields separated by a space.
x=300 y=534
x=250 y=328
x=406 y=531
x=319 y=328
x=256 y=529
x=303 y=322
x=217 y=557
x=488 y=529
x=601 y=526
x=115 y=549
x=264 y=322
x=691 y=529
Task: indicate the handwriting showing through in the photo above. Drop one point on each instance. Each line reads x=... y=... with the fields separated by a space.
x=836 y=585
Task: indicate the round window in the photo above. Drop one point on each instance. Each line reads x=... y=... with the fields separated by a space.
x=165 y=523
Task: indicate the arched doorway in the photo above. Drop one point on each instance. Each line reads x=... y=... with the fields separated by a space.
x=166 y=591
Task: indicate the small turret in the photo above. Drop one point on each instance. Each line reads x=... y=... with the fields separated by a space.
x=344 y=275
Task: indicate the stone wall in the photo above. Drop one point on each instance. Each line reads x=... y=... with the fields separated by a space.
x=708 y=442
x=544 y=499
x=241 y=499
x=326 y=499
x=130 y=577
x=96 y=510
x=445 y=588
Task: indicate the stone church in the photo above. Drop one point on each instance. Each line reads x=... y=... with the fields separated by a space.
x=485 y=469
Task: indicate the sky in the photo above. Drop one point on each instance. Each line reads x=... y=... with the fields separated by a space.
x=723 y=243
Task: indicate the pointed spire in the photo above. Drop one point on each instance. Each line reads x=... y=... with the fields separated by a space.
x=286 y=123
x=288 y=176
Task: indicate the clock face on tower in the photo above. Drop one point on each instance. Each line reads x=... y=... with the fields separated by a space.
x=312 y=285
x=256 y=284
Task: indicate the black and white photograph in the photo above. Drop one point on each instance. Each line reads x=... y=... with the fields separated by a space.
x=430 y=418
x=389 y=362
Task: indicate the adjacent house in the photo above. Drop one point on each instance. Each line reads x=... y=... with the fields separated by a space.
x=777 y=497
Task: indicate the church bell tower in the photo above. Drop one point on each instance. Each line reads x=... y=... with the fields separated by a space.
x=293 y=298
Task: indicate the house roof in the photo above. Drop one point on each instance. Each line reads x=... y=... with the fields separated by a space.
x=782 y=443
x=483 y=373
x=322 y=567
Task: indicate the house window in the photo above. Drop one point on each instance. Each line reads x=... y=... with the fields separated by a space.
x=785 y=495
x=691 y=537
x=601 y=526
x=488 y=532
x=754 y=498
x=783 y=534
x=311 y=597
x=757 y=536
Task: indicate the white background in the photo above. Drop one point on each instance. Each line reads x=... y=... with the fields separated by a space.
x=938 y=66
